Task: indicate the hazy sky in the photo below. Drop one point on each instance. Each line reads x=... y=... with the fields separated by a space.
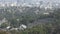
x=31 y=0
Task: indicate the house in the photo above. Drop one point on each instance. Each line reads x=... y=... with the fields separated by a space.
x=8 y=27
x=46 y=13
x=14 y=29
x=22 y=27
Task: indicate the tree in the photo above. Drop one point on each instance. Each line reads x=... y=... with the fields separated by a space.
x=4 y=25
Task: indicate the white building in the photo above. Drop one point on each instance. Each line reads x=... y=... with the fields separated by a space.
x=8 y=27
x=22 y=27
x=14 y=29
x=46 y=13
x=13 y=4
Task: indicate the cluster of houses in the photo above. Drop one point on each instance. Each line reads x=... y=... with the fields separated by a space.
x=9 y=28
x=22 y=27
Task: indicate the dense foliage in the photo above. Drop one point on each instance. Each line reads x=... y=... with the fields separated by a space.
x=16 y=18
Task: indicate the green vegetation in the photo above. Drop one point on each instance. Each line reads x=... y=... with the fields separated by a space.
x=29 y=17
x=4 y=25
